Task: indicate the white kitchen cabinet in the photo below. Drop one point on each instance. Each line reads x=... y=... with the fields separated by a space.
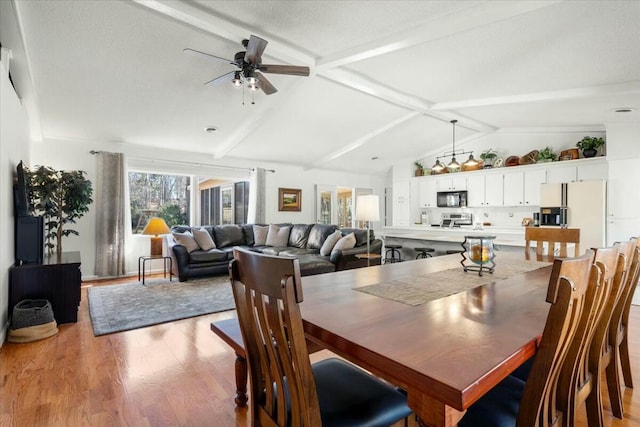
x=427 y=190
x=593 y=171
x=485 y=190
x=401 y=204
x=451 y=183
x=494 y=189
x=559 y=174
x=523 y=188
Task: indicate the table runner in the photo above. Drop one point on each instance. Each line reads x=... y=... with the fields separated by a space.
x=420 y=289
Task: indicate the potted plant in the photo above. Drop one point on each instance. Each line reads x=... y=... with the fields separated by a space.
x=547 y=155
x=419 y=169
x=488 y=157
x=60 y=197
x=589 y=145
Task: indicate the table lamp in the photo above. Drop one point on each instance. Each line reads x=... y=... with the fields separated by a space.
x=368 y=209
x=154 y=227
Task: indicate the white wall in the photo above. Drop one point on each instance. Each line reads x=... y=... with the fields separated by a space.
x=75 y=155
x=14 y=146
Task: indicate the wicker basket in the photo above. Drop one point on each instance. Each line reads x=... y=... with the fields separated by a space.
x=31 y=312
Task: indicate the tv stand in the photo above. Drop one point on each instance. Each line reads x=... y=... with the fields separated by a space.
x=57 y=279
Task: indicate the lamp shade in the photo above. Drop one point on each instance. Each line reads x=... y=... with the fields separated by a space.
x=367 y=208
x=156 y=226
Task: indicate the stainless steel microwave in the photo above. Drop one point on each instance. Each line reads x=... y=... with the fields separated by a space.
x=452 y=199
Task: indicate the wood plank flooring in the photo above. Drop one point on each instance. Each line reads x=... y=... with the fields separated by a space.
x=174 y=374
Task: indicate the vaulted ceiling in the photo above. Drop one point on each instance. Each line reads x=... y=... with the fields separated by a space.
x=386 y=76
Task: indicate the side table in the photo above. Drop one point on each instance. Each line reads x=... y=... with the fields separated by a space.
x=166 y=260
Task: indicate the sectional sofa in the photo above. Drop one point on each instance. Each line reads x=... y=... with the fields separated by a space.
x=321 y=248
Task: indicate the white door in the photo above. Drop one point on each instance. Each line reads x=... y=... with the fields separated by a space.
x=493 y=189
x=513 y=188
x=326 y=204
x=532 y=181
x=476 y=192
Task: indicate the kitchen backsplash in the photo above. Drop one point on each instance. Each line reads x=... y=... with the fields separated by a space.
x=497 y=216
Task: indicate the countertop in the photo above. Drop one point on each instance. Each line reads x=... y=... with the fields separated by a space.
x=509 y=236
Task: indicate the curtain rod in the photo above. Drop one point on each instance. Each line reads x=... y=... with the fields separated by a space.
x=189 y=163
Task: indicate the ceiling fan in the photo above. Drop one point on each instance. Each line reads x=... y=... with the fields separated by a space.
x=250 y=67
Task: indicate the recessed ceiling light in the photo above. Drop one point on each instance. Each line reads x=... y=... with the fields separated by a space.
x=210 y=129
x=374 y=158
x=623 y=110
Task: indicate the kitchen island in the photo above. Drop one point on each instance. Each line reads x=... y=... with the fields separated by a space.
x=444 y=239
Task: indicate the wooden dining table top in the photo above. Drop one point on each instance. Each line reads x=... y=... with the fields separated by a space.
x=445 y=353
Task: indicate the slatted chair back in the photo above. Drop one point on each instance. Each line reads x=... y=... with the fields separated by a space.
x=552 y=237
x=616 y=331
x=567 y=289
x=600 y=350
x=576 y=378
x=267 y=291
x=624 y=335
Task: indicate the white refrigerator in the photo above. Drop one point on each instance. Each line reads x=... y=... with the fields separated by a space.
x=586 y=208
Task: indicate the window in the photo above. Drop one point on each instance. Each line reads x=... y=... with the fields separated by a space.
x=154 y=194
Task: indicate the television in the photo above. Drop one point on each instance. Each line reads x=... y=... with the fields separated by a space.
x=20 y=193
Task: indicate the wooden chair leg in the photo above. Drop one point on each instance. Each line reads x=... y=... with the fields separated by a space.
x=241 y=380
x=595 y=417
x=613 y=384
x=625 y=362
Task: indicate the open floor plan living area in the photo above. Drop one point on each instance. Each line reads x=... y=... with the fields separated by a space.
x=319 y=213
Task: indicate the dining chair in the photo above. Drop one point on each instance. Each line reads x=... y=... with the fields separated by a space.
x=617 y=332
x=514 y=402
x=623 y=344
x=600 y=352
x=286 y=390
x=576 y=379
x=551 y=236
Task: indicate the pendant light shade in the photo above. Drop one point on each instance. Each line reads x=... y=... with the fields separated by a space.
x=437 y=167
x=453 y=165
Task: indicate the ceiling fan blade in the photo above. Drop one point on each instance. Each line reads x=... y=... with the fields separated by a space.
x=266 y=85
x=207 y=56
x=285 y=69
x=254 y=50
x=219 y=80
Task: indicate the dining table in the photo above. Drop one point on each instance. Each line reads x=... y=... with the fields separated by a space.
x=445 y=353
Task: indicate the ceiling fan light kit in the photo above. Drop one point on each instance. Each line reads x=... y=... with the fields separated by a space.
x=250 y=67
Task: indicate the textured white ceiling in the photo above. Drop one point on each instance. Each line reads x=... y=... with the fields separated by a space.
x=386 y=76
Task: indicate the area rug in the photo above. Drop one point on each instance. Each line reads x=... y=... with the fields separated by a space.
x=127 y=306
x=428 y=287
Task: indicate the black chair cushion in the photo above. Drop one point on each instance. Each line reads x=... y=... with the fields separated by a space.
x=497 y=408
x=349 y=396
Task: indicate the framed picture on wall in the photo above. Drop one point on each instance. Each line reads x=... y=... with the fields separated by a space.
x=289 y=199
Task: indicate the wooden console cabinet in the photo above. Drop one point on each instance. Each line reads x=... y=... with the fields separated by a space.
x=56 y=279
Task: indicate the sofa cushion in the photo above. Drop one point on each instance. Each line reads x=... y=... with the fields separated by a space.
x=330 y=242
x=278 y=236
x=274 y=250
x=260 y=235
x=186 y=239
x=296 y=252
x=361 y=235
x=299 y=235
x=312 y=264
x=346 y=242
x=318 y=235
x=213 y=255
x=228 y=235
x=204 y=239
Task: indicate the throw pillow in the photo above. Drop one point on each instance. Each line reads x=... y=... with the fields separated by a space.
x=203 y=238
x=186 y=239
x=330 y=242
x=346 y=242
x=277 y=236
x=260 y=234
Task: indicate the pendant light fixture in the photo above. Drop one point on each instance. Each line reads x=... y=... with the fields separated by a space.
x=453 y=165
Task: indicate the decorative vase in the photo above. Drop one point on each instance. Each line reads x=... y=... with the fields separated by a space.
x=419 y=172
x=589 y=152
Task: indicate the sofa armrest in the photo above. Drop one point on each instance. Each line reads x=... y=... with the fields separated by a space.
x=179 y=257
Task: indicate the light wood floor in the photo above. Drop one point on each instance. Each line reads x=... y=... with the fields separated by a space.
x=175 y=374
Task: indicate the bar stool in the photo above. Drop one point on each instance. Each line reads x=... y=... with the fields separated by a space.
x=395 y=253
x=454 y=251
x=423 y=252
